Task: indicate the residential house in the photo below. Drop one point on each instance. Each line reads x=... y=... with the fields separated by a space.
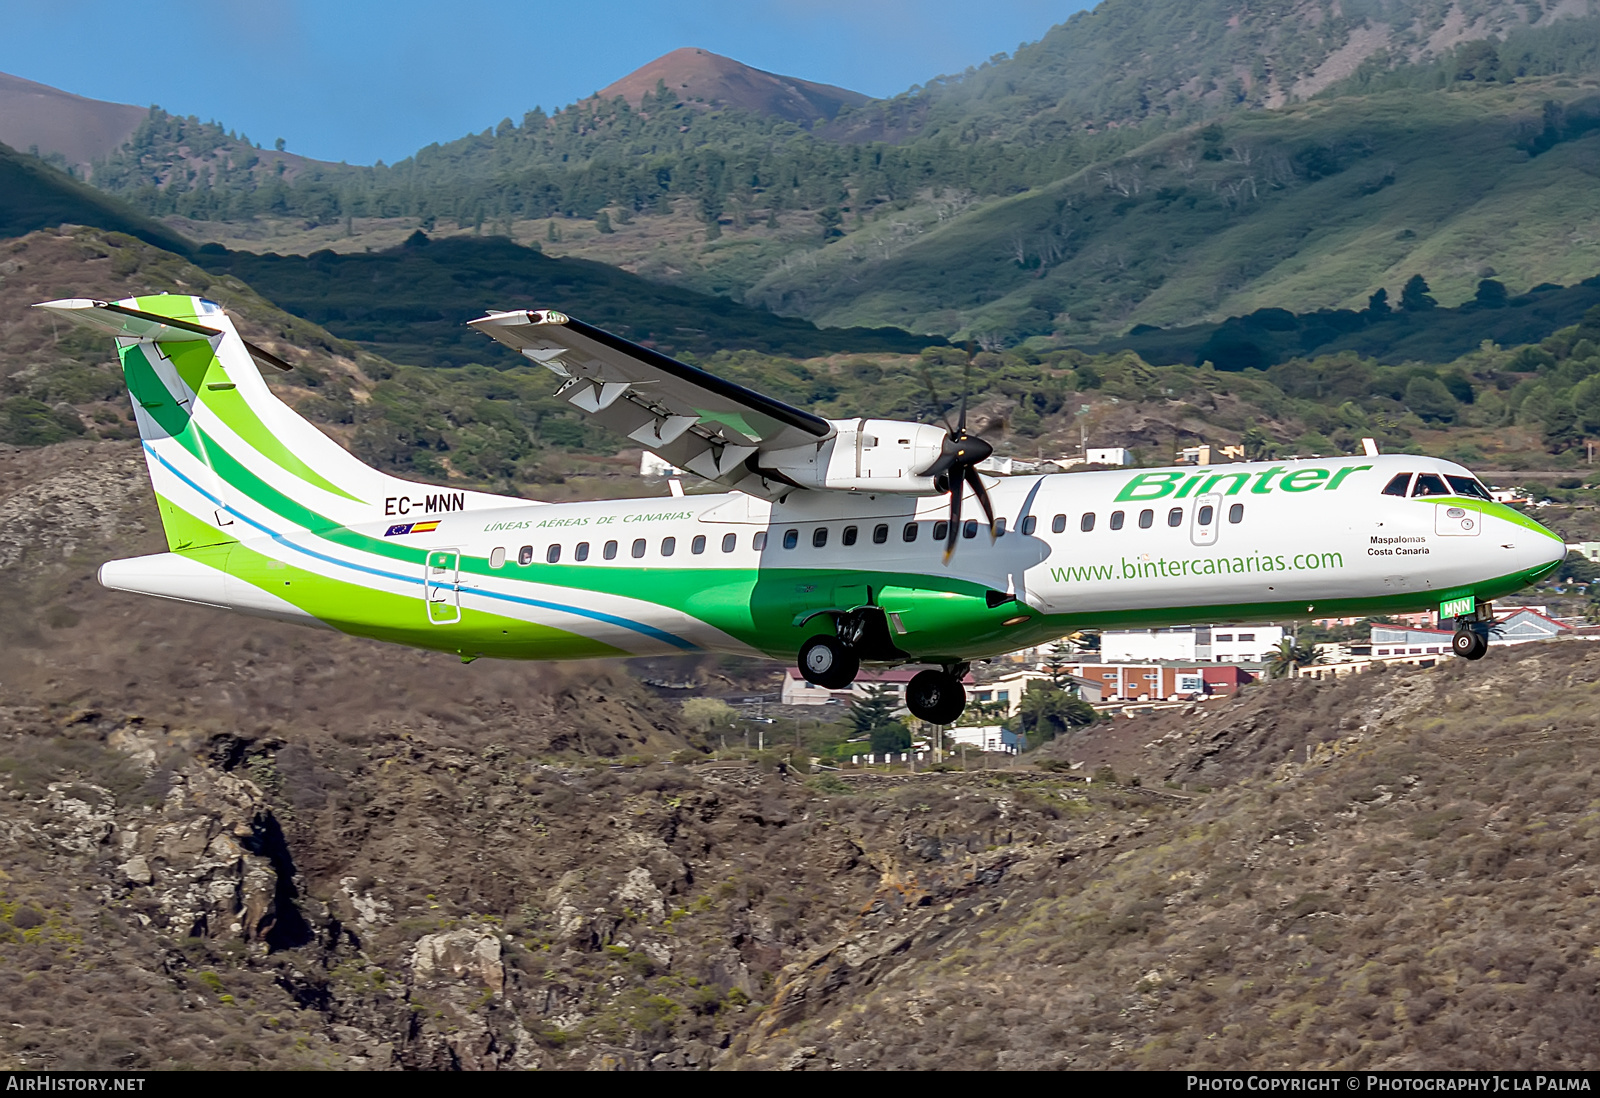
x=988 y=737
x=1192 y=643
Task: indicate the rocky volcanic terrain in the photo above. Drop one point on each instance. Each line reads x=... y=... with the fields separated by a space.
x=236 y=843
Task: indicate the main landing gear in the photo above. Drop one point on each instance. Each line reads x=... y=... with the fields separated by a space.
x=934 y=695
x=828 y=662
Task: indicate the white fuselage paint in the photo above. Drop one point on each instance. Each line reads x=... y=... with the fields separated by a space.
x=1350 y=542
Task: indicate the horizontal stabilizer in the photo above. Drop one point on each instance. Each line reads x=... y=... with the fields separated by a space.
x=119 y=320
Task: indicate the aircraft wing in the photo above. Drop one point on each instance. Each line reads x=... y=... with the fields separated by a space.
x=693 y=419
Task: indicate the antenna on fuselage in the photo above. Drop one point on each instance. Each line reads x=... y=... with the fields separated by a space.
x=1369 y=447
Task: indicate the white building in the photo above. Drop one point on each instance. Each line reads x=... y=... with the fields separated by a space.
x=1589 y=550
x=1192 y=644
x=988 y=737
x=1107 y=455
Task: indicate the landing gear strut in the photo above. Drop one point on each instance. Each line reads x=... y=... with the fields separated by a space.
x=936 y=696
x=828 y=662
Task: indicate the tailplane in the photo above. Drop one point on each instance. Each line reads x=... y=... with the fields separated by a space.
x=229 y=461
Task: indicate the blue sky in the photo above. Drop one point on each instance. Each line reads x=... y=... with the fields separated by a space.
x=361 y=80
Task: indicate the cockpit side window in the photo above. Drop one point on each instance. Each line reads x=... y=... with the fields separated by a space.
x=1466 y=486
x=1429 y=484
x=1398 y=486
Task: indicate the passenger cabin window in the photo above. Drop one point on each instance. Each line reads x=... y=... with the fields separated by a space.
x=1029 y=524
x=1116 y=520
x=759 y=542
x=1398 y=485
x=999 y=527
x=1236 y=513
x=910 y=532
x=1466 y=486
x=669 y=546
x=819 y=537
x=969 y=529
x=497 y=557
x=1175 y=517
x=880 y=533
x=1086 y=523
x=553 y=554
x=610 y=552
x=638 y=548
x=525 y=555
x=941 y=530
x=581 y=552
x=1429 y=484
x=729 y=541
x=791 y=538
x=1058 y=524
x=849 y=536
x=1147 y=519
x=698 y=545
x=1206 y=515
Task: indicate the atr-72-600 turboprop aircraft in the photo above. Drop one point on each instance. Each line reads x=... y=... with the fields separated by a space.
x=832 y=544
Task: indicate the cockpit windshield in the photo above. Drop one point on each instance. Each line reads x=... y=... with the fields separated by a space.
x=1466 y=486
x=1429 y=484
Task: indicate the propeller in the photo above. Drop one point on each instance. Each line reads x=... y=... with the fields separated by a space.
x=955 y=469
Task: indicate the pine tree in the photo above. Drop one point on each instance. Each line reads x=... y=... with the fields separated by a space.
x=873 y=710
x=1414 y=298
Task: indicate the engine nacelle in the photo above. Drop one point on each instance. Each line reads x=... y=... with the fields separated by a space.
x=863 y=455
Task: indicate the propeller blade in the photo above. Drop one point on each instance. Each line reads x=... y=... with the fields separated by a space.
x=957 y=490
x=966 y=387
x=983 y=498
x=939 y=409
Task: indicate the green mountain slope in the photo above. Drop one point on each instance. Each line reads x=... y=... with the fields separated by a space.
x=34 y=195
x=1309 y=207
x=412 y=303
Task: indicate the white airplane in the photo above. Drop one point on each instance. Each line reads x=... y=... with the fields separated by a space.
x=832 y=543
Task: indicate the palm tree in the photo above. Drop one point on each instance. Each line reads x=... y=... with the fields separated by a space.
x=1290 y=656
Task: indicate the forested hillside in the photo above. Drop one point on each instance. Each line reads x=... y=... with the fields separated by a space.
x=1141 y=164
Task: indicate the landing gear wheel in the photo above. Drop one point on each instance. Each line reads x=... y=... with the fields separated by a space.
x=828 y=662
x=1469 y=644
x=936 y=697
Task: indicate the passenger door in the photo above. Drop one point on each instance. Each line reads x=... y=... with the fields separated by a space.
x=1207 y=517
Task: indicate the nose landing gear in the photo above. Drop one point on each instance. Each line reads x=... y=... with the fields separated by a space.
x=1469 y=643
